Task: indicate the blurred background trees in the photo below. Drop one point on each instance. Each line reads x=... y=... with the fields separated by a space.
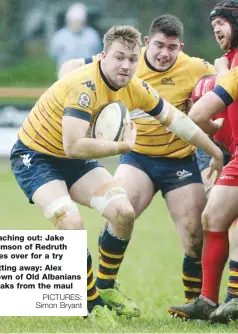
x=28 y=25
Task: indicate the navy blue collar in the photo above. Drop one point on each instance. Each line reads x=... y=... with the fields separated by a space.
x=153 y=68
x=105 y=79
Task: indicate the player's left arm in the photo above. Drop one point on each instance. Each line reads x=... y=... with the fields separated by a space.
x=180 y=124
x=72 y=64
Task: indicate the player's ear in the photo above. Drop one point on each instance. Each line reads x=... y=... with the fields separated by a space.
x=181 y=46
x=103 y=55
x=146 y=40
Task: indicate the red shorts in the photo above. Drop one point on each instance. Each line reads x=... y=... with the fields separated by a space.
x=229 y=174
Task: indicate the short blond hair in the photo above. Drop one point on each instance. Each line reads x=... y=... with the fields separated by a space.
x=127 y=35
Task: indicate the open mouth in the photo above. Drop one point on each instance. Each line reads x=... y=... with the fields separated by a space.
x=162 y=62
x=220 y=38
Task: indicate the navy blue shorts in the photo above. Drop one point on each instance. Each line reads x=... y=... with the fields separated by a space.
x=165 y=173
x=32 y=169
x=203 y=159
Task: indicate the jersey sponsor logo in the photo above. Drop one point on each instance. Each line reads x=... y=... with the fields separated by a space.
x=84 y=100
x=167 y=81
x=183 y=173
x=26 y=160
x=147 y=87
x=90 y=85
x=226 y=177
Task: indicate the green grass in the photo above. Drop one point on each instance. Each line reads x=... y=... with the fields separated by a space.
x=30 y=72
x=150 y=273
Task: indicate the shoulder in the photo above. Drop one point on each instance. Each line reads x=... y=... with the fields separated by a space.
x=195 y=66
x=200 y=64
x=81 y=77
x=143 y=50
x=142 y=55
x=136 y=83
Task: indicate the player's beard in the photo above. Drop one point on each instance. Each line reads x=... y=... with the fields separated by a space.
x=123 y=80
x=224 y=44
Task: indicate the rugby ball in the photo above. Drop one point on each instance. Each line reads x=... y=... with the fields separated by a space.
x=108 y=124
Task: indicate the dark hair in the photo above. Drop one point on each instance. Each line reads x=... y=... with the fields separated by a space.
x=169 y=25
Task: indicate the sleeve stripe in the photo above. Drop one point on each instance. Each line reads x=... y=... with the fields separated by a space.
x=77 y=113
x=223 y=94
x=88 y=60
x=157 y=110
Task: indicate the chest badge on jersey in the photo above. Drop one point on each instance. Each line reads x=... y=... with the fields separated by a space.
x=84 y=100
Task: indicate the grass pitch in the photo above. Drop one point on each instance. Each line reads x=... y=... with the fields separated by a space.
x=150 y=273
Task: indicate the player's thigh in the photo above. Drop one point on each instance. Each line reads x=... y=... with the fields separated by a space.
x=37 y=175
x=138 y=185
x=54 y=200
x=98 y=189
x=86 y=186
x=221 y=209
x=43 y=183
x=185 y=205
x=186 y=202
x=49 y=192
x=184 y=193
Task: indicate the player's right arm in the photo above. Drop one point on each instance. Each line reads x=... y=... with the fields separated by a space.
x=75 y=124
x=69 y=66
x=216 y=100
x=222 y=67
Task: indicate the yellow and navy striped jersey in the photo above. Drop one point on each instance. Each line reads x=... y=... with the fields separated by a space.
x=227 y=87
x=82 y=94
x=174 y=85
x=227 y=90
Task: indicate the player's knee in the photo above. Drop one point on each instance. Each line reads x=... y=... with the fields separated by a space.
x=71 y=221
x=64 y=214
x=107 y=195
x=193 y=247
x=124 y=215
x=191 y=234
x=192 y=242
x=206 y=220
x=121 y=215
